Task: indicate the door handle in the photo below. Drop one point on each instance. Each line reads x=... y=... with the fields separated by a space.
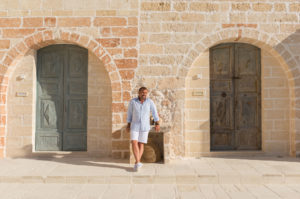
x=224 y=94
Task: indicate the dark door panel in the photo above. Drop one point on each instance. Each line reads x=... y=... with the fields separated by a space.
x=61 y=106
x=235 y=97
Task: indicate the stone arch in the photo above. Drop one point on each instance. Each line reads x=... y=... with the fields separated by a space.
x=262 y=40
x=44 y=38
x=47 y=37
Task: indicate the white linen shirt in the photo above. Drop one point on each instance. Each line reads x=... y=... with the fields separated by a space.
x=138 y=114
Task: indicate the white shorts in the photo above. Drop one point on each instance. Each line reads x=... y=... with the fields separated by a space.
x=139 y=136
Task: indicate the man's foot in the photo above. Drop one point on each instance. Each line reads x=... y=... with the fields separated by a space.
x=137 y=166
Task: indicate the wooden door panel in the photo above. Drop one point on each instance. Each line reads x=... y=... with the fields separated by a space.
x=49 y=102
x=222 y=140
x=222 y=62
x=76 y=114
x=248 y=97
x=75 y=127
x=222 y=113
x=246 y=60
x=246 y=115
x=247 y=84
x=74 y=141
x=247 y=140
x=61 y=98
x=221 y=85
x=222 y=97
x=77 y=62
x=235 y=99
x=52 y=64
x=48 y=114
x=76 y=87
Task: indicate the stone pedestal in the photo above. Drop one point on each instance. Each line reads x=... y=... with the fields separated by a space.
x=156 y=149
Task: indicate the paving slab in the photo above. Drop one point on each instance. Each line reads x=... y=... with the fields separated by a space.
x=205 y=170
x=147 y=191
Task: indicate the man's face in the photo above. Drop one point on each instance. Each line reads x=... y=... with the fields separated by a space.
x=143 y=94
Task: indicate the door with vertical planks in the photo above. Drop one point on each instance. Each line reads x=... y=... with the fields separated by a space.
x=61 y=103
x=235 y=97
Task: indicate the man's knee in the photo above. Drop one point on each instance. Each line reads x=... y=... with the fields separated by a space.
x=140 y=143
x=134 y=142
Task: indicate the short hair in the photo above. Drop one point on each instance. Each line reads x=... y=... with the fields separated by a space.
x=142 y=89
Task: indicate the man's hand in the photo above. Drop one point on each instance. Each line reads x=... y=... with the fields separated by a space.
x=128 y=127
x=157 y=127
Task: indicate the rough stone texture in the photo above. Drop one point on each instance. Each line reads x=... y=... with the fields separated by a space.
x=189 y=35
x=157 y=44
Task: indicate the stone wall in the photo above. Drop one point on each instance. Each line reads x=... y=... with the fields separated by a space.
x=174 y=33
x=107 y=29
x=157 y=44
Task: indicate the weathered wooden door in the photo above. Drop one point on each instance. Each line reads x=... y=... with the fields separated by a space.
x=235 y=97
x=61 y=106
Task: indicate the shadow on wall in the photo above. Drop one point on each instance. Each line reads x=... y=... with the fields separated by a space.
x=291 y=55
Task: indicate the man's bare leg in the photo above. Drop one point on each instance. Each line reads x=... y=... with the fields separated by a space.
x=141 y=150
x=136 y=150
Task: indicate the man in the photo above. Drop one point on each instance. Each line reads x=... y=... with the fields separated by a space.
x=138 y=118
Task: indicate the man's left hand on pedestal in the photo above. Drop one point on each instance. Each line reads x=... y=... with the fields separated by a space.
x=157 y=128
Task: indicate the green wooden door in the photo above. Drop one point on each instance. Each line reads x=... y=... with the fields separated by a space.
x=235 y=97
x=61 y=106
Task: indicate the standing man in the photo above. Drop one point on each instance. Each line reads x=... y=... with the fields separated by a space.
x=138 y=119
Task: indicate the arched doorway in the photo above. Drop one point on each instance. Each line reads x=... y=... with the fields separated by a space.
x=61 y=98
x=235 y=97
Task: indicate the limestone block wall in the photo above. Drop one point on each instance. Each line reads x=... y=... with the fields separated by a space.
x=155 y=43
x=174 y=33
x=108 y=29
x=275 y=107
x=99 y=115
x=21 y=110
x=197 y=114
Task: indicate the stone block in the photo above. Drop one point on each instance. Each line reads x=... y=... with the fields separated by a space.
x=124 y=32
x=155 y=6
x=17 y=33
x=204 y=7
x=33 y=22
x=126 y=63
x=127 y=74
x=4 y=44
x=110 y=21
x=109 y=42
x=180 y=6
x=74 y=21
x=240 y=6
x=10 y=22
x=128 y=42
x=262 y=7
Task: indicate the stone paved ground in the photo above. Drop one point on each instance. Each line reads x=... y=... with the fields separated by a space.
x=207 y=177
x=147 y=191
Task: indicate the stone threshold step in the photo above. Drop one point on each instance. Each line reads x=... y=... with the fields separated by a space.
x=157 y=179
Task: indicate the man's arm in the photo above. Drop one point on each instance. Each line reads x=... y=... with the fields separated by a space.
x=155 y=115
x=129 y=115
